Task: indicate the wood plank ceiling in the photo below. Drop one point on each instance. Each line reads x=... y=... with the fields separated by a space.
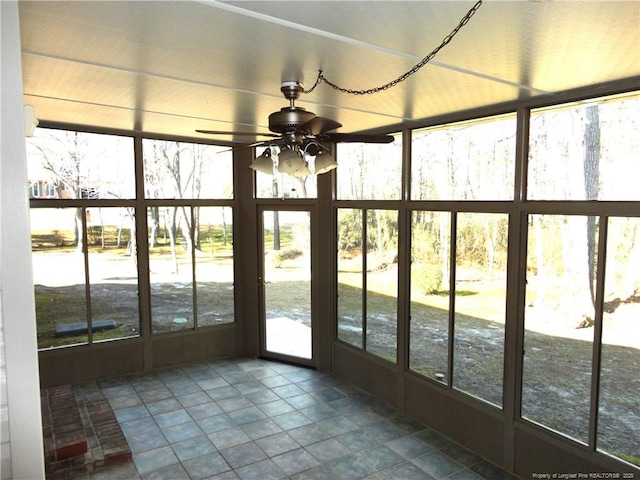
x=171 y=67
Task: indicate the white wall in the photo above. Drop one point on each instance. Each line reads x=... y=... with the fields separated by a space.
x=5 y=444
x=17 y=316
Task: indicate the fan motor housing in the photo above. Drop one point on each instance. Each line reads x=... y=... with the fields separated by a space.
x=289 y=119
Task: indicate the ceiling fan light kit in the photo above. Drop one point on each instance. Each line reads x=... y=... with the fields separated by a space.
x=298 y=133
x=296 y=143
x=263 y=163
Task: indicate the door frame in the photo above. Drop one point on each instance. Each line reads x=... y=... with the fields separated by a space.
x=260 y=284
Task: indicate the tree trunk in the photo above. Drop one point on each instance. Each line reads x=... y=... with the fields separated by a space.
x=119 y=234
x=444 y=249
x=155 y=222
x=378 y=233
x=491 y=230
x=591 y=182
x=224 y=227
x=77 y=231
x=540 y=268
x=172 y=240
x=101 y=227
x=276 y=230
x=196 y=228
x=187 y=231
x=303 y=186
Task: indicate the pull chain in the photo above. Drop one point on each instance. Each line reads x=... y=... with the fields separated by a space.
x=321 y=78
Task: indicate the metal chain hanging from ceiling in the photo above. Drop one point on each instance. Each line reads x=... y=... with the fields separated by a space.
x=321 y=78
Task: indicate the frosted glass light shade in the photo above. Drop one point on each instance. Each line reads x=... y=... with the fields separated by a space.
x=290 y=162
x=324 y=163
x=263 y=163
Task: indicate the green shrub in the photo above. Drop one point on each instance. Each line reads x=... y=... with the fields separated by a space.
x=427 y=278
x=279 y=256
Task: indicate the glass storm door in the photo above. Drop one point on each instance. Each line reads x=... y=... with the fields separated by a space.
x=286 y=285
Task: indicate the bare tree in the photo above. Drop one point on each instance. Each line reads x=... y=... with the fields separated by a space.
x=176 y=169
x=64 y=160
x=153 y=189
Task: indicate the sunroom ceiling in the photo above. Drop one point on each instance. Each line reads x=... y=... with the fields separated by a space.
x=172 y=67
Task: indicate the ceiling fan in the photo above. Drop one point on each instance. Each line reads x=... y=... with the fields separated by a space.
x=297 y=137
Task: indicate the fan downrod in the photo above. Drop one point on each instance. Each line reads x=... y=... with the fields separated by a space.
x=288 y=119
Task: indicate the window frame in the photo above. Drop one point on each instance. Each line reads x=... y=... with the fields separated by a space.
x=139 y=204
x=517 y=210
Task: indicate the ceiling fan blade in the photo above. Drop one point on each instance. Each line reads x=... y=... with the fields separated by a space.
x=357 y=138
x=251 y=134
x=251 y=145
x=318 y=125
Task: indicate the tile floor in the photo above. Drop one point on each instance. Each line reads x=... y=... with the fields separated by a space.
x=254 y=419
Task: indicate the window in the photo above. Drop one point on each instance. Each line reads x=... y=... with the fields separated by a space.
x=560 y=300
x=464 y=161
x=171 y=255
x=112 y=272
x=75 y=286
x=85 y=250
x=471 y=311
x=190 y=244
x=429 y=310
x=214 y=265
x=51 y=191
x=35 y=190
x=561 y=324
x=180 y=170
x=360 y=170
x=368 y=280
x=618 y=432
x=83 y=255
x=350 y=276
x=190 y=267
x=585 y=151
x=58 y=277
x=582 y=281
x=76 y=162
x=381 y=263
x=480 y=302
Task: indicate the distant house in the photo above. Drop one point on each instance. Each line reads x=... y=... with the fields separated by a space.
x=45 y=189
